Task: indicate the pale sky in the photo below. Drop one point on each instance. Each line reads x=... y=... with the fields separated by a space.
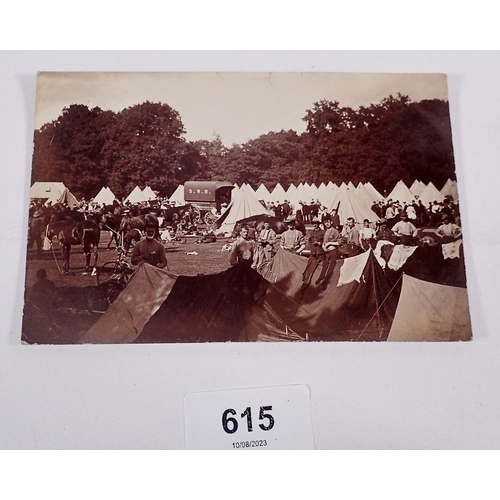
x=236 y=106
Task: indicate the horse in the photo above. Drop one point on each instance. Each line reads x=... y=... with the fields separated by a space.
x=111 y=222
x=256 y=222
x=70 y=232
x=277 y=224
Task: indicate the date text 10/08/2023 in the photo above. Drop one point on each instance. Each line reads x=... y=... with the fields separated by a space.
x=250 y=444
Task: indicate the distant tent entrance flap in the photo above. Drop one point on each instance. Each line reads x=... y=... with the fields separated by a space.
x=244 y=205
x=66 y=197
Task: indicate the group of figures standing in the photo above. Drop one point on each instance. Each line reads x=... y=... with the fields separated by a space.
x=328 y=240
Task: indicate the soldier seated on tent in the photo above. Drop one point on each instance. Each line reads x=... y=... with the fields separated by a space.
x=405 y=231
x=351 y=239
x=266 y=241
x=448 y=231
x=244 y=250
x=312 y=236
x=384 y=233
x=367 y=235
x=330 y=245
x=317 y=255
x=292 y=239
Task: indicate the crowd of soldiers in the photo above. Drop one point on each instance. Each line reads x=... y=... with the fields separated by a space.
x=417 y=212
x=306 y=212
x=328 y=240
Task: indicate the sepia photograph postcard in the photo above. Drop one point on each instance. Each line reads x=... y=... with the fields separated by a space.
x=243 y=207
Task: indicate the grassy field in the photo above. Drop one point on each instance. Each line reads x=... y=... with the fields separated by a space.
x=209 y=259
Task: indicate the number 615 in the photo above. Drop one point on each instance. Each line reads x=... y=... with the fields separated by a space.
x=230 y=424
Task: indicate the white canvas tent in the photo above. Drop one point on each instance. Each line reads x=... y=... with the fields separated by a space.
x=46 y=190
x=450 y=189
x=365 y=199
x=290 y=193
x=105 y=196
x=431 y=312
x=262 y=193
x=148 y=194
x=368 y=194
x=278 y=193
x=312 y=191
x=349 y=205
x=66 y=197
x=431 y=194
x=401 y=193
x=300 y=194
x=135 y=196
x=178 y=195
x=234 y=191
x=326 y=195
x=417 y=187
x=244 y=205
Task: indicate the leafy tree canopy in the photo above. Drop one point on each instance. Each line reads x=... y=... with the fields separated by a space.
x=145 y=145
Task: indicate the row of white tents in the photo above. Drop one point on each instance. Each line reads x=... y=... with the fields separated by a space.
x=326 y=192
x=137 y=195
x=57 y=192
x=349 y=200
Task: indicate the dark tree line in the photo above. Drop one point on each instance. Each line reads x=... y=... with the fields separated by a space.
x=145 y=145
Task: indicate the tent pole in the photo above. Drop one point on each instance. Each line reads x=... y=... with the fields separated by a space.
x=376 y=312
x=376 y=301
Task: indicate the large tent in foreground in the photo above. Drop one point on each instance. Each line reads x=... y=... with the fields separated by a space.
x=356 y=302
x=158 y=306
x=431 y=312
